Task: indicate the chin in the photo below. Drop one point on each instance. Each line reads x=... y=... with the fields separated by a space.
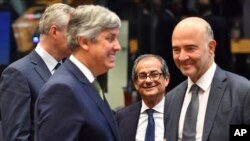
x=187 y=74
x=111 y=65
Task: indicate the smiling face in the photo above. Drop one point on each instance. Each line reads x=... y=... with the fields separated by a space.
x=193 y=51
x=147 y=83
x=103 y=49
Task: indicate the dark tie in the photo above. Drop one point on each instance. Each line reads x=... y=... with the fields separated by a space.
x=57 y=66
x=150 y=132
x=98 y=88
x=189 y=129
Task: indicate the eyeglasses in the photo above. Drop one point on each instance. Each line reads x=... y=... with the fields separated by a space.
x=152 y=76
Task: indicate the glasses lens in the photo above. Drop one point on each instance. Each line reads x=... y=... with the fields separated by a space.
x=152 y=76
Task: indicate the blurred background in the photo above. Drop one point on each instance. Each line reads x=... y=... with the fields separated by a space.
x=147 y=26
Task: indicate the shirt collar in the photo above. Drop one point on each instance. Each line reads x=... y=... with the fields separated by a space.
x=83 y=68
x=206 y=79
x=159 y=107
x=49 y=60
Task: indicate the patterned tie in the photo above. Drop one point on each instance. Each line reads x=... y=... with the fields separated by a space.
x=150 y=132
x=189 y=130
x=98 y=88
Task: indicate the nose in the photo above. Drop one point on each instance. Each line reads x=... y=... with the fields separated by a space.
x=117 y=45
x=148 y=79
x=183 y=56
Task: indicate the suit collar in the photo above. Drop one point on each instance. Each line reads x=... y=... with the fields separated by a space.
x=48 y=59
x=39 y=66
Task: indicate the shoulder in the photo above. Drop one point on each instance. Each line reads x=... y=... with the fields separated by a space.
x=231 y=79
x=23 y=64
x=237 y=81
x=130 y=109
x=17 y=69
x=182 y=86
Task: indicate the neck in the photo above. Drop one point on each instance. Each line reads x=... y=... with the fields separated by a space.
x=152 y=101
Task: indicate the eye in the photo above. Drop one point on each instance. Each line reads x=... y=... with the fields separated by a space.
x=190 y=48
x=176 y=50
x=110 y=38
x=142 y=76
x=155 y=75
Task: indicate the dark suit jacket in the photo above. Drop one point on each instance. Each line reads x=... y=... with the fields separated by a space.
x=70 y=109
x=127 y=119
x=228 y=103
x=19 y=86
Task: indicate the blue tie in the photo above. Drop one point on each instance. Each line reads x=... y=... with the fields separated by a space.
x=150 y=132
x=57 y=65
x=189 y=129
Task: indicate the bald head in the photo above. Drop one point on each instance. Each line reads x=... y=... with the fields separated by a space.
x=197 y=24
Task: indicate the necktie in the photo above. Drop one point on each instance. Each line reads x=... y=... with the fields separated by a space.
x=189 y=130
x=98 y=88
x=57 y=66
x=150 y=132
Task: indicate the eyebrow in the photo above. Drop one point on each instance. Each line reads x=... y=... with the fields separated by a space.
x=149 y=72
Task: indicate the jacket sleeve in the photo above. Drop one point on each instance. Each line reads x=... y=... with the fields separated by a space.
x=15 y=101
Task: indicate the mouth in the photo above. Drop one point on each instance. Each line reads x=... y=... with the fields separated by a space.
x=149 y=87
x=111 y=57
x=185 y=65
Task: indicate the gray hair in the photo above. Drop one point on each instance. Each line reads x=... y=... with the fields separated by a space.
x=164 y=66
x=209 y=32
x=88 y=21
x=55 y=14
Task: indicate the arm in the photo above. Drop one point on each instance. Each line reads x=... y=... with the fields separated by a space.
x=15 y=100
x=58 y=115
x=246 y=111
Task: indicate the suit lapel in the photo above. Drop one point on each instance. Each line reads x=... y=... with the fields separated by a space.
x=39 y=66
x=180 y=94
x=110 y=117
x=214 y=100
x=173 y=105
x=90 y=91
x=132 y=119
x=104 y=109
x=164 y=118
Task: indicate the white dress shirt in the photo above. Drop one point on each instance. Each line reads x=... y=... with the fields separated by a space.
x=204 y=84
x=49 y=60
x=83 y=68
x=158 y=118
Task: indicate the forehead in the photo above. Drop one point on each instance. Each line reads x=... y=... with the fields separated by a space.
x=192 y=26
x=187 y=34
x=148 y=64
x=110 y=32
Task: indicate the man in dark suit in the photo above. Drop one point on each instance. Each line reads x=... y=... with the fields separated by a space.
x=150 y=76
x=69 y=107
x=22 y=80
x=223 y=97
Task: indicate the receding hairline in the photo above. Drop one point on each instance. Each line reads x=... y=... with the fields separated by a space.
x=193 y=22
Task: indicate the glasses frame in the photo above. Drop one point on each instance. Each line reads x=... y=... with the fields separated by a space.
x=149 y=75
